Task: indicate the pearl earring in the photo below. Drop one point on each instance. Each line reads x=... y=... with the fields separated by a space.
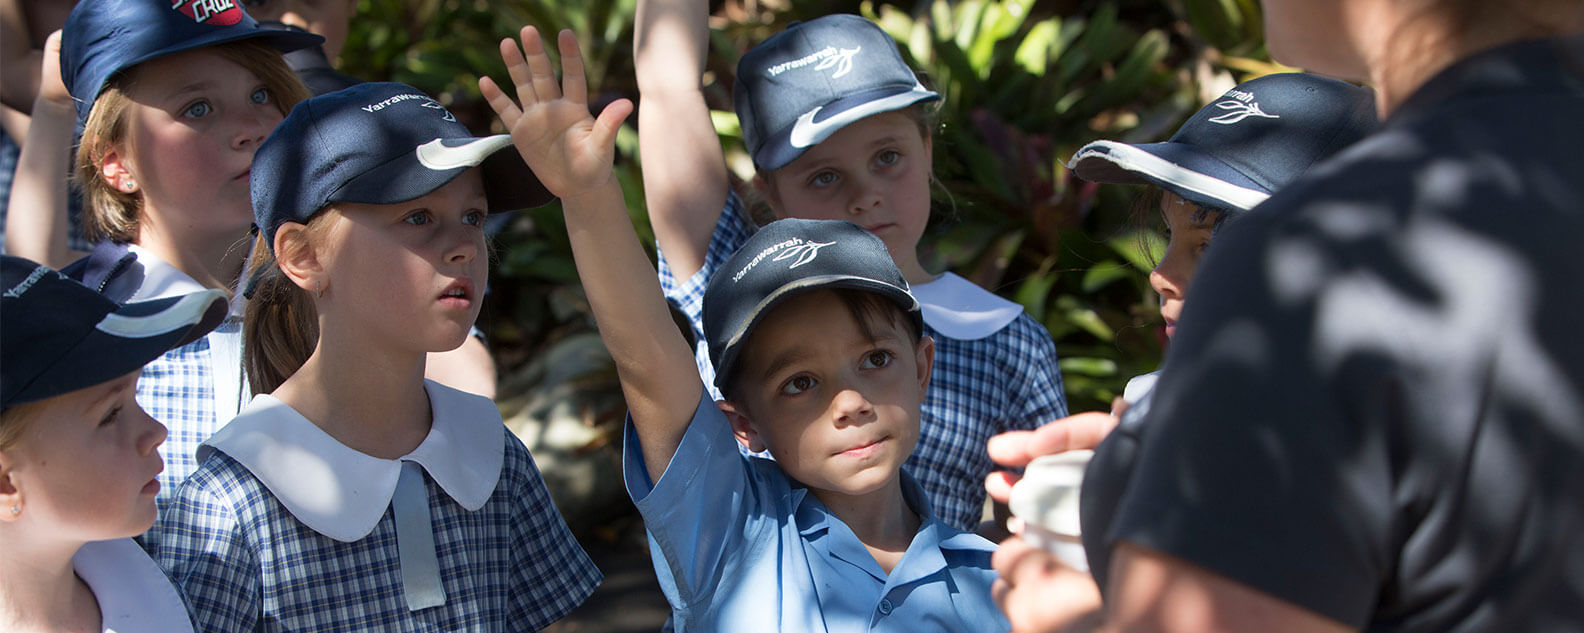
x=15 y=510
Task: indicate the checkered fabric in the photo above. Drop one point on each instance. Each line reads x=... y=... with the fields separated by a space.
x=245 y=563
x=1006 y=381
x=178 y=390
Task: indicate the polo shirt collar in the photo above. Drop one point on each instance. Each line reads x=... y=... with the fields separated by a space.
x=134 y=596
x=924 y=556
x=161 y=279
x=961 y=310
x=343 y=493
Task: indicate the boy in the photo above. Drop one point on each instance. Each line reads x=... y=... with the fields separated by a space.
x=72 y=359
x=818 y=349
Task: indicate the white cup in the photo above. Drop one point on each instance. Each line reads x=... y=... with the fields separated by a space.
x=1046 y=502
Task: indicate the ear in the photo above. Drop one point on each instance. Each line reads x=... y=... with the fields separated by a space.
x=742 y=426
x=297 y=257
x=767 y=190
x=925 y=353
x=10 y=494
x=116 y=171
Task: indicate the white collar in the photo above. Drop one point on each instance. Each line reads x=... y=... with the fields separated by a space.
x=342 y=493
x=161 y=279
x=957 y=308
x=134 y=596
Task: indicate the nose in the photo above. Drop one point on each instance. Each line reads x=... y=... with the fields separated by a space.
x=866 y=196
x=151 y=433
x=254 y=124
x=1161 y=280
x=465 y=244
x=851 y=407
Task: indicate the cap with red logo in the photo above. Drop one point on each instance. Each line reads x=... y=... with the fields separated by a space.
x=104 y=37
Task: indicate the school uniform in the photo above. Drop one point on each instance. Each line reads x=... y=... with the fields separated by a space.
x=739 y=546
x=134 y=596
x=995 y=371
x=1372 y=407
x=282 y=528
x=193 y=389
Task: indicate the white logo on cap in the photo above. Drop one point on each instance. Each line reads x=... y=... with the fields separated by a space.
x=438 y=156
x=1242 y=106
x=804 y=251
x=827 y=57
x=806 y=131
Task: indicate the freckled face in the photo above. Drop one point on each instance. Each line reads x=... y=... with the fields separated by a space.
x=87 y=463
x=1188 y=240
x=411 y=274
x=839 y=411
x=874 y=173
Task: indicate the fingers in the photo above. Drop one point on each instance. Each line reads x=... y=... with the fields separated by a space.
x=541 y=74
x=573 y=83
x=503 y=106
x=999 y=485
x=1008 y=449
x=1082 y=431
x=610 y=122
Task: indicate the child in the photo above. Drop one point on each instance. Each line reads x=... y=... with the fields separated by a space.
x=173 y=101
x=355 y=494
x=823 y=364
x=77 y=453
x=1230 y=156
x=836 y=124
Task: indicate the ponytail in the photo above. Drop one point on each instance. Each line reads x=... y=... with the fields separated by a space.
x=281 y=327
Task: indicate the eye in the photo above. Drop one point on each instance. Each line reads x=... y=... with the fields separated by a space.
x=198 y=110
x=474 y=218
x=796 y=385
x=419 y=218
x=110 y=416
x=888 y=157
x=876 y=359
x=822 y=179
x=260 y=96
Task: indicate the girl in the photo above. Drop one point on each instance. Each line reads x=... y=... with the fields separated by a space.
x=173 y=101
x=354 y=494
x=1374 y=397
x=836 y=123
x=1230 y=156
x=78 y=455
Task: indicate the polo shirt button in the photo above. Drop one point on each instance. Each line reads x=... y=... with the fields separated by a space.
x=885 y=607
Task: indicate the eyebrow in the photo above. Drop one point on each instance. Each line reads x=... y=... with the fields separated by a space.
x=781 y=361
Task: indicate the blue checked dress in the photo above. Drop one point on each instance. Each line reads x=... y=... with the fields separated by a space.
x=245 y=562
x=1005 y=381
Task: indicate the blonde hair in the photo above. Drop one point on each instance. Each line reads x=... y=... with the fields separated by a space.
x=280 y=327
x=112 y=214
x=14 y=422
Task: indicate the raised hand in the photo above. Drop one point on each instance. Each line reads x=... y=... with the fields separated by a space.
x=568 y=149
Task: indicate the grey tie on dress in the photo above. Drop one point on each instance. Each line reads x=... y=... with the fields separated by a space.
x=420 y=566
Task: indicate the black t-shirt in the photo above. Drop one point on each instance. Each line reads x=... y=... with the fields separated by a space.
x=1374 y=408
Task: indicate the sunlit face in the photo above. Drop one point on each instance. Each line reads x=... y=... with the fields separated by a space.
x=192 y=127
x=326 y=18
x=1188 y=237
x=409 y=275
x=839 y=411
x=874 y=173
x=85 y=467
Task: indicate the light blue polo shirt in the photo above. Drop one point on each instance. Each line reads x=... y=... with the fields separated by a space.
x=738 y=546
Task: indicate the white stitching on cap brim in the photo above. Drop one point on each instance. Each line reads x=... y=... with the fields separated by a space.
x=184 y=313
x=438 y=156
x=1137 y=160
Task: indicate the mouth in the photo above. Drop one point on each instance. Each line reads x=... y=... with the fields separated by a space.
x=246 y=173
x=152 y=487
x=876 y=228
x=1171 y=327
x=459 y=292
x=865 y=450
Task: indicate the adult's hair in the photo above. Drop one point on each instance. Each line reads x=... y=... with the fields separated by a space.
x=111 y=214
x=280 y=327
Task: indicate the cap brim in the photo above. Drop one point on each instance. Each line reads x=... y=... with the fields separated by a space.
x=734 y=343
x=1176 y=167
x=820 y=123
x=126 y=340
x=508 y=183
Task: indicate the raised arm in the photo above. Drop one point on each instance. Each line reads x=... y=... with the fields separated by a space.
x=36 y=223
x=571 y=153
x=684 y=172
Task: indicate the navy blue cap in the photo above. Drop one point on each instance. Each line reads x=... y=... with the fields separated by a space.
x=61 y=336
x=377 y=143
x=1238 y=150
x=104 y=37
x=805 y=83
x=784 y=259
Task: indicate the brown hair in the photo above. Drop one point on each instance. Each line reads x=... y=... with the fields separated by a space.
x=111 y=214
x=280 y=327
x=14 y=422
